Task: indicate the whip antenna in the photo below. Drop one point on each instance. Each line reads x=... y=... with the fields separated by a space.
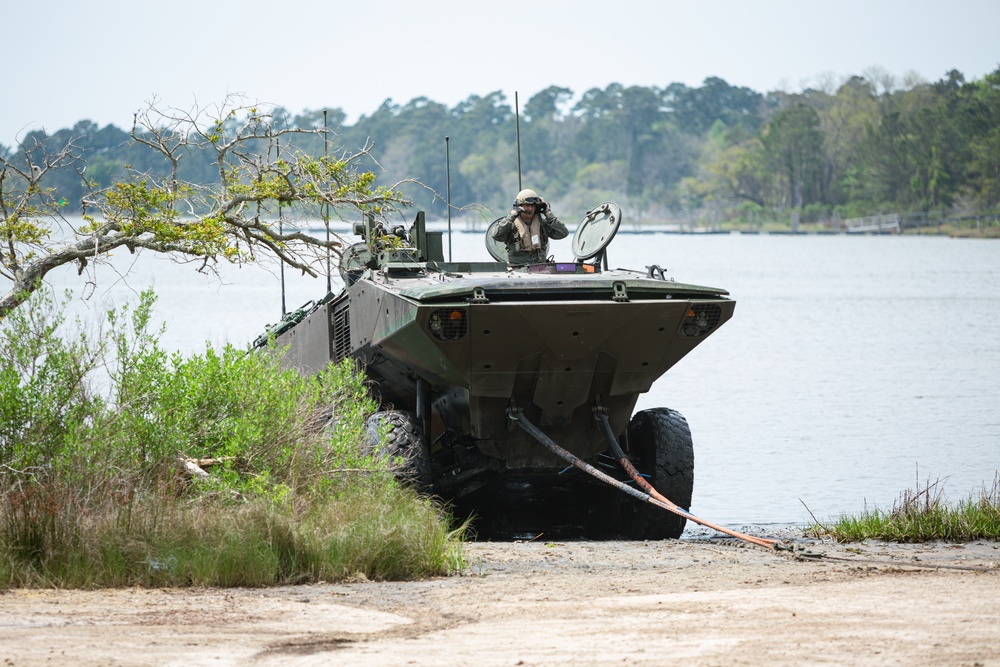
x=517 y=131
x=277 y=144
x=447 y=171
x=326 y=205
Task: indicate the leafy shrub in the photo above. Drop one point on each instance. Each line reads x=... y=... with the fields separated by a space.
x=95 y=488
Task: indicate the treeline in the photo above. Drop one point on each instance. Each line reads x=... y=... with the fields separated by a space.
x=864 y=146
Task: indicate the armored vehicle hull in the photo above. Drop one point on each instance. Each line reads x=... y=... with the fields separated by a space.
x=453 y=348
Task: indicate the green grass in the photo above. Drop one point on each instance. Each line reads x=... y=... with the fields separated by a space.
x=922 y=515
x=92 y=493
x=366 y=531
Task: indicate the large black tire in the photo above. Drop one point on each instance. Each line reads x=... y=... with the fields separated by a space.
x=660 y=445
x=397 y=436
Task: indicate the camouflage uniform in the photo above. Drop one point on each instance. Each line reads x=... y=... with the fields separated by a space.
x=547 y=225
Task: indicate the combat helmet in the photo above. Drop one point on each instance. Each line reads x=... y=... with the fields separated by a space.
x=527 y=196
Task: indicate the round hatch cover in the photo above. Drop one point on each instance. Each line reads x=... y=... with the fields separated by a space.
x=497 y=249
x=597 y=229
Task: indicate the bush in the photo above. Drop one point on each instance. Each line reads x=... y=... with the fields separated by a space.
x=45 y=397
x=816 y=213
x=96 y=490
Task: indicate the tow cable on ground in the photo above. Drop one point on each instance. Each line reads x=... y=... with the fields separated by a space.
x=666 y=502
x=650 y=495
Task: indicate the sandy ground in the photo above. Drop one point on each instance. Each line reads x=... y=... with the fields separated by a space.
x=701 y=602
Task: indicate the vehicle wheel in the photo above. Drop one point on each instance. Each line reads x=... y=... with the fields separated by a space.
x=397 y=436
x=660 y=444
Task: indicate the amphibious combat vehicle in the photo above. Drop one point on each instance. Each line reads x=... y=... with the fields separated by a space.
x=462 y=354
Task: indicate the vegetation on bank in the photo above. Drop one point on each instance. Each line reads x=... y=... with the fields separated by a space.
x=922 y=515
x=246 y=182
x=102 y=437
x=867 y=144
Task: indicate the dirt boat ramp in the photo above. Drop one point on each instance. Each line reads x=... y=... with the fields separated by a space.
x=691 y=602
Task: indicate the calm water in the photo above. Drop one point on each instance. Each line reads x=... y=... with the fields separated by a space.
x=854 y=367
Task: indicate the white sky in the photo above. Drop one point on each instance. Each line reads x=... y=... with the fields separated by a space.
x=101 y=60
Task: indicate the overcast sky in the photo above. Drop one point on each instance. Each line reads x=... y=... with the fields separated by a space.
x=101 y=60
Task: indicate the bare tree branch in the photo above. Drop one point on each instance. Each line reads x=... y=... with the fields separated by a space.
x=266 y=187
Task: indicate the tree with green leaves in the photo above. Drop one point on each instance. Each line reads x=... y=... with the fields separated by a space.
x=980 y=119
x=741 y=173
x=261 y=185
x=794 y=145
x=697 y=109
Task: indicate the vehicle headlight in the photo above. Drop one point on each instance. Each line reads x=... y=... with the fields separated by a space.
x=448 y=323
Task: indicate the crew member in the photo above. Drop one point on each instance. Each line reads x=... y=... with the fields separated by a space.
x=528 y=228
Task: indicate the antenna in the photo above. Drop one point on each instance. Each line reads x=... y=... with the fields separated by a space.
x=447 y=171
x=517 y=130
x=277 y=153
x=326 y=205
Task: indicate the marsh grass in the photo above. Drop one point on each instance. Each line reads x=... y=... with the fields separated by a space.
x=372 y=531
x=922 y=515
x=91 y=493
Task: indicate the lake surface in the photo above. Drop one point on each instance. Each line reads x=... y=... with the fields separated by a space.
x=854 y=368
